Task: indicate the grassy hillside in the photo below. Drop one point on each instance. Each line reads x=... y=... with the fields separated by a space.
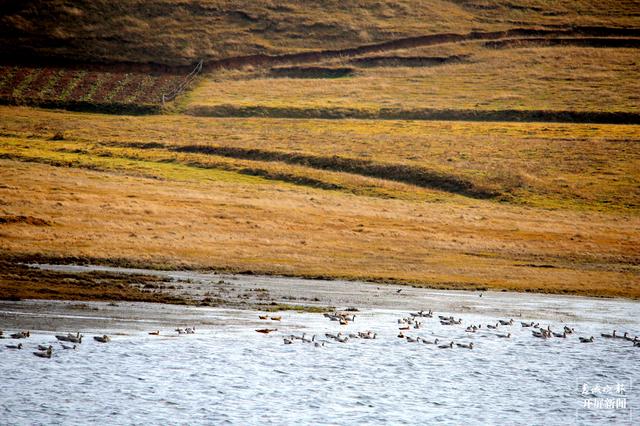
x=183 y=31
x=311 y=144
x=123 y=56
x=288 y=196
x=580 y=166
x=455 y=77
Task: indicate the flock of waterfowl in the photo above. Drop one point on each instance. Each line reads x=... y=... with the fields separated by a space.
x=342 y=318
x=501 y=329
x=179 y=330
x=46 y=351
x=415 y=321
x=494 y=329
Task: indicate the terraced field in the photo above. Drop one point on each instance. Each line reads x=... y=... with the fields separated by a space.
x=86 y=89
x=455 y=81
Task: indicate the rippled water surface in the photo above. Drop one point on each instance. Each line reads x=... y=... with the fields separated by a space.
x=228 y=373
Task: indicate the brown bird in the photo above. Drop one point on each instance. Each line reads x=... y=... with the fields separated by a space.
x=266 y=330
x=45 y=354
x=155 y=333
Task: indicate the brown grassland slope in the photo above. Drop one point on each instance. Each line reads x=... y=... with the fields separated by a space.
x=468 y=144
x=116 y=191
x=467 y=82
x=575 y=166
x=538 y=78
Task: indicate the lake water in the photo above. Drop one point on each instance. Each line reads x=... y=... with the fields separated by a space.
x=227 y=373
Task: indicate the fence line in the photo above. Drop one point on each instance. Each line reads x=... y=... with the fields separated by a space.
x=182 y=86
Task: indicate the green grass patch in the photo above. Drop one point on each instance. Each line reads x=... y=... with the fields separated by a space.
x=47 y=152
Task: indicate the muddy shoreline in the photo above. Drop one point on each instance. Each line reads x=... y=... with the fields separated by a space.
x=208 y=290
x=247 y=296
x=16 y=271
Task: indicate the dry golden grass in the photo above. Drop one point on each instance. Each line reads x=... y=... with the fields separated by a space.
x=154 y=206
x=184 y=31
x=306 y=232
x=543 y=78
x=569 y=166
x=513 y=206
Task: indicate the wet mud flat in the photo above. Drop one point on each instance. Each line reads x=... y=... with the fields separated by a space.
x=275 y=294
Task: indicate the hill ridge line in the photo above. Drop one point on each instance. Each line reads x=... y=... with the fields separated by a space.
x=319 y=55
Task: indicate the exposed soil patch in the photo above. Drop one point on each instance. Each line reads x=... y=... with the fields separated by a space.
x=20 y=282
x=570 y=41
x=28 y=220
x=396 y=172
x=86 y=106
x=419 y=41
x=601 y=117
x=311 y=72
x=407 y=61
